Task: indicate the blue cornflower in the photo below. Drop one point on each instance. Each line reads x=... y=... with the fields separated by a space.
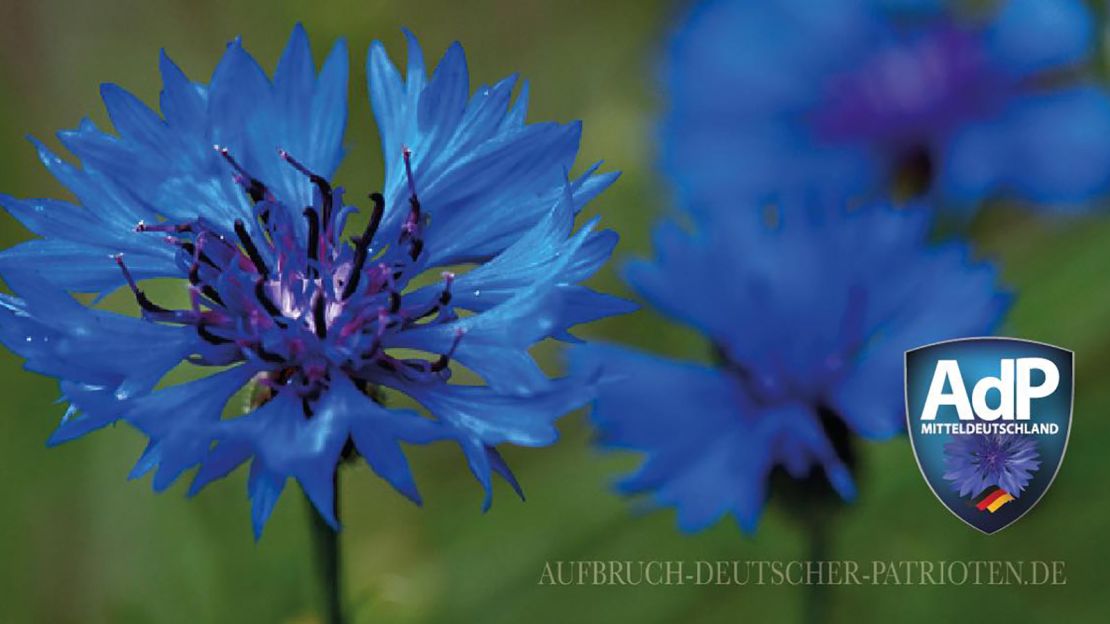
x=808 y=311
x=874 y=97
x=275 y=295
x=978 y=461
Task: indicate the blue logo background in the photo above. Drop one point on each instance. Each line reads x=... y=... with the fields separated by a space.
x=979 y=358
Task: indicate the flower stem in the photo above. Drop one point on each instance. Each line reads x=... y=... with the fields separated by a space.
x=816 y=602
x=815 y=509
x=325 y=543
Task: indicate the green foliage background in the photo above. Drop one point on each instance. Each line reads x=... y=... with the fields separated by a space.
x=79 y=543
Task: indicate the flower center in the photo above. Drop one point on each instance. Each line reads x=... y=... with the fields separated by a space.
x=284 y=292
x=907 y=91
x=993 y=459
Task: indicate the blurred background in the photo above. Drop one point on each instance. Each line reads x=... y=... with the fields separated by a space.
x=79 y=543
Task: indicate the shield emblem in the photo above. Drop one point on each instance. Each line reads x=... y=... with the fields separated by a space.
x=988 y=419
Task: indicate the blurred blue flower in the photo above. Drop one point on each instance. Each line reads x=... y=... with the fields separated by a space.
x=808 y=311
x=975 y=462
x=274 y=294
x=873 y=97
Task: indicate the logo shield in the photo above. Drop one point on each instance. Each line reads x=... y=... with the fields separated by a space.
x=989 y=419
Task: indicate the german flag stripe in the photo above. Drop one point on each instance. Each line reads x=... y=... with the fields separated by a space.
x=999 y=502
x=985 y=493
x=989 y=499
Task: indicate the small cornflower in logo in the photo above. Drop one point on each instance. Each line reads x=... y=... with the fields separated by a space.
x=976 y=462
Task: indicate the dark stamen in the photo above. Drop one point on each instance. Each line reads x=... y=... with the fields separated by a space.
x=194 y=273
x=417 y=247
x=445 y=296
x=144 y=302
x=266 y=355
x=191 y=249
x=407 y=155
x=313 y=240
x=264 y=299
x=256 y=189
x=375 y=218
x=411 y=228
x=318 y=319
x=362 y=245
x=164 y=227
x=443 y=299
x=207 y=289
x=319 y=181
x=208 y=336
x=252 y=251
x=211 y=293
x=445 y=359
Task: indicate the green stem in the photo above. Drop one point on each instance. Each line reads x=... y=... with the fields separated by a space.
x=815 y=607
x=325 y=543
